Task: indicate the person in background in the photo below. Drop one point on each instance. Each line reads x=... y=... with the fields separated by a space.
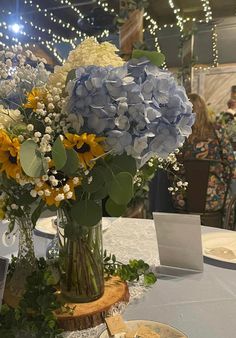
x=228 y=121
x=230 y=114
x=207 y=141
x=233 y=93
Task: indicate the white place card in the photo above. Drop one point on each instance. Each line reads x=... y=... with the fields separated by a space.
x=179 y=242
x=3 y=274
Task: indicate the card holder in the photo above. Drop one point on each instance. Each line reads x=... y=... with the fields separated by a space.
x=179 y=243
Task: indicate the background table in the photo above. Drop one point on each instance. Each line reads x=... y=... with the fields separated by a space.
x=202 y=305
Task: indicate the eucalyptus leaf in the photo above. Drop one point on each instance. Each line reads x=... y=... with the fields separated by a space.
x=114 y=209
x=121 y=163
x=37 y=212
x=100 y=194
x=59 y=154
x=86 y=212
x=107 y=175
x=97 y=182
x=72 y=163
x=120 y=189
x=31 y=159
x=11 y=226
x=156 y=58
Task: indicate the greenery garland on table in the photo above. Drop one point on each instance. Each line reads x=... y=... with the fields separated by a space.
x=34 y=316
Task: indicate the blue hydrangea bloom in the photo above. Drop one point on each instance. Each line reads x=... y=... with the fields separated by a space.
x=138 y=107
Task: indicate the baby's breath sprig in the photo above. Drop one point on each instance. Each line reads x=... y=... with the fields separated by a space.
x=147 y=172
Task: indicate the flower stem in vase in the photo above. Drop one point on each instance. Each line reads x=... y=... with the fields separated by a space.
x=81 y=263
x=25 y=262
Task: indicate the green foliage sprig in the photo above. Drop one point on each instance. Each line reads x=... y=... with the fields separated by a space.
x=130 y=272
x=34 y=316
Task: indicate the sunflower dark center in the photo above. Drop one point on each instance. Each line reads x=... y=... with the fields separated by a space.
x=12 y=159
x=60 y=177
x=84 y=149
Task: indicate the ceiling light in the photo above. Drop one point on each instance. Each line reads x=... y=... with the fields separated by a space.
x=16 y=28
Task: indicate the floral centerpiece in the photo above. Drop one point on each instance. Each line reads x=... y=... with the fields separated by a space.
x=79 y=137
x=20 y=72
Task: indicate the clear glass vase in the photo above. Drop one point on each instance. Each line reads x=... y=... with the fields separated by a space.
x=25 y=261
x=81 y=261
x=26 y=253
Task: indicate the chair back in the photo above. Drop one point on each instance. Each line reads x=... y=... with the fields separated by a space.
x=229 y=211
x=197 y=174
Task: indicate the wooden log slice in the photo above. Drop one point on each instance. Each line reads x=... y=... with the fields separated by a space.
x=87 y=315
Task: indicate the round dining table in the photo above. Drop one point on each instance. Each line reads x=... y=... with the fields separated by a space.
x=201 y=305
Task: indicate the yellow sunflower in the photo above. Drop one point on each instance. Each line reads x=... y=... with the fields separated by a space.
x=53 y=191
x=87 y=147
x=9 y=155
x=5 y=140
x=35 y=96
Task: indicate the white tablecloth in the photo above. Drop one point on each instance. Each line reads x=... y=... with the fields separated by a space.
x=202 y=305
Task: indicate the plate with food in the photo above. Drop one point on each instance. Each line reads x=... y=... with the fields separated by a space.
x=220 y=245
x=145 y=329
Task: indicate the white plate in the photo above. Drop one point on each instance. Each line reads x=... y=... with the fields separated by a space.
x=164 y=330
x=220 y=246
x=46 y=226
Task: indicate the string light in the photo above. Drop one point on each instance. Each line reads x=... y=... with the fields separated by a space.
x=47 y=44
x=37 y=39
x=50 y=45
x=55 y=38
x=174 y=25
x=179 y=18
x=53 y=18
x=208 y=17
x=215 y=52
x=54 y=52
x=74 y=8
x=105 y=6
x=63 y=24
x=207 y=10
x=214 y=46
x=152 y=26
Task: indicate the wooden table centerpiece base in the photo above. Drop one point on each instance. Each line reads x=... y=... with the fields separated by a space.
x=87 y=315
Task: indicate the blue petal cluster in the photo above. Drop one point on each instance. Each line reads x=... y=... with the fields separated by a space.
x=138 y=107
